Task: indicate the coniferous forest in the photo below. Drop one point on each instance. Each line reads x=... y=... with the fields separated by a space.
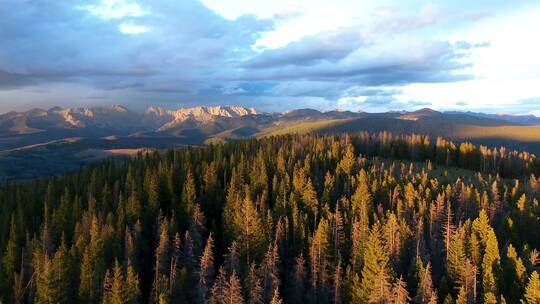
x=358 y=218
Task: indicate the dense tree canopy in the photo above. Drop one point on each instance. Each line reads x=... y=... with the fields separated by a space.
x=363 y=218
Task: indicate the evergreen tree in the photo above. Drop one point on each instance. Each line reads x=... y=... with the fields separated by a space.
x=253 y=286
x=276 y=299
x=206 y=272
x=53 y=278
x=189 y=196
x=532 y=292
x=455 y=257
x=133 y=230
x=381 y=290
x=400 y=295
x=490 y=264
x=375 y=263
x=131 y=291
x=462 y=296
x=425 y=293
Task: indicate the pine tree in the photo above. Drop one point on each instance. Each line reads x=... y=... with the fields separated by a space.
x=276 y=299
x=232 y=261
x=338 y=284
x=362 y=199
x=462 y=296
x=152 y=194
x=309 y=198
x=381 y=290
x=131 y=290
x=160 y=284
x=175 y=270
x=206 y=272
x=298 y=285
x=108 y=281
x=189 y=196
x=448 y=229
x=425 y=293
x=515 y=275
x=319 y=252
x=44 y=288
x=227 y=290
x=270 y=272
x=338 y=234
x=219 y=290
x=375 y=262
x=400 y=295
x=87 y=279
x=468 y=280
x=235 y=290
x=117 y=295
x=489 y=298
x=253 y=285
x=197 y=230
x=392 y=234
x=532 y=292
x=490 y=264
x=249 y=232
x=10 y=259
x=103 y=234
x=481 y=227
x=53 y=279
x=455 y=257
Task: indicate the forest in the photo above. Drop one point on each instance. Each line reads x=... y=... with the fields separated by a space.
x=352 y=218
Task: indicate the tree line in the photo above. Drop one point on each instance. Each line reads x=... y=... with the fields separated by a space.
x=353 y=218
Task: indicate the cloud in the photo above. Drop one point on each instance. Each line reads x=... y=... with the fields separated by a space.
x=327 y=46
x=133 y=29
x=114 y=9
x=374 y=64
x=394 y=20
x=61 y=42
x=180 y=51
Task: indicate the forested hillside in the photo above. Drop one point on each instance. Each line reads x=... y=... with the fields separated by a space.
x=361 y=218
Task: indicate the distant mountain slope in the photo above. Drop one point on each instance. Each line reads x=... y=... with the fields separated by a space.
x=38 y=138
x=529 y=120
x=222 y=123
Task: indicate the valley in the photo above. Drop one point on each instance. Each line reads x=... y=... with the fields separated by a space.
x=49 y=142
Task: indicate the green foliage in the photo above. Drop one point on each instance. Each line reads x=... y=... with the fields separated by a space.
x=289 y=219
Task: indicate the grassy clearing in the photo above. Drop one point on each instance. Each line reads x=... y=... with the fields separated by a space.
x=519 y=133
x=301 y=128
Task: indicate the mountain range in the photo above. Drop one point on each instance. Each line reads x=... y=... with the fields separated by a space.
x=69 y=137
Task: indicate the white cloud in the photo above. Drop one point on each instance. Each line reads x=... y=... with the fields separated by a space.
x=415 y=52
x=114 y=9
x=478 y=93
x=132 y=29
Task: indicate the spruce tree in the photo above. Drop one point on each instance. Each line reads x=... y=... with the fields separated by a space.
x=206 y=271
x=532 y=291
x=131 y=291
x=400 y=295
x=375 y=262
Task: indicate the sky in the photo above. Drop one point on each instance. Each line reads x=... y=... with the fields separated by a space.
x=273 y=55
